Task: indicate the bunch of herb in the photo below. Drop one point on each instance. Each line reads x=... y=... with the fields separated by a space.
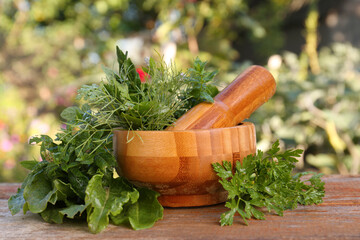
x=75 y=179
x=123 y=101
x=199 y=87
x=266 y=181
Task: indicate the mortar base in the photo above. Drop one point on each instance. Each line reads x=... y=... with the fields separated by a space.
x=192 y=200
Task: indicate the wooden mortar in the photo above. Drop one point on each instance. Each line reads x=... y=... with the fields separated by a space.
x=232 y=105
x=177 y=164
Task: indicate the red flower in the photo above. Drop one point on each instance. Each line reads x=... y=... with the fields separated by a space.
x=143 y=75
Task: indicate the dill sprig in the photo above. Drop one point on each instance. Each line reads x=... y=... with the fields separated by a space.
x=122 y=101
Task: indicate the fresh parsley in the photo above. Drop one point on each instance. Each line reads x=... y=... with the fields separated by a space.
x=265 y=181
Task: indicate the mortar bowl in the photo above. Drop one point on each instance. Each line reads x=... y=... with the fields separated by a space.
x=177 y=164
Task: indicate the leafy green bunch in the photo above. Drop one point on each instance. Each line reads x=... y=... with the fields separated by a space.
x=124 y=101
x=266 y=181
x=75 y=179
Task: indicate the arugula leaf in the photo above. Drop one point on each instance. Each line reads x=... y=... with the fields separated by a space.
x=104 y=201
x=41 y=191
x=17 y=201
x=78 y=180
x=52 y=215
x=142 y=213
x=266 y=181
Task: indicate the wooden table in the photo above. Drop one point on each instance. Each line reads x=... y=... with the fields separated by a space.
x=337 y=218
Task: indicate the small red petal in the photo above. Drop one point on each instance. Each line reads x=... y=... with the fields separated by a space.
x=143 y=75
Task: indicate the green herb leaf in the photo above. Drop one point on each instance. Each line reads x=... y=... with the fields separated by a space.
x=73 y=210
x=142 y=213
x=266 y=181
x=29 y=164
x=52 y=215
x=105 y=201
x=70 y=113
x=39 y=192
x=79 y=181
x=16 y=202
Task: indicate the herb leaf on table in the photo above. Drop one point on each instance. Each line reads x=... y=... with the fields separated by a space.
x=265 y=180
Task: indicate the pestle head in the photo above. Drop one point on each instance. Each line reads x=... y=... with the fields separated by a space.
x=235 y=103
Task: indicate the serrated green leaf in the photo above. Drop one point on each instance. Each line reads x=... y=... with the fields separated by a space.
x=35 y=140
x=244 y=215
x=266 y=181
x=257 y=214
x=274 y=148
x=222 y=171
x=227 y=218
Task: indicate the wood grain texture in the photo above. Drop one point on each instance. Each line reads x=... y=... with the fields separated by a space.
x=337 y=218
x=177 y=164
x=231 y=106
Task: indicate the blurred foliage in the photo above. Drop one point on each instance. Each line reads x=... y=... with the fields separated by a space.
x=216 y=29
x=320 y=113
x=49 y=48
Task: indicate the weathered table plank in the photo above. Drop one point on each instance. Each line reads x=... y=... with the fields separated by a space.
x=337 y=218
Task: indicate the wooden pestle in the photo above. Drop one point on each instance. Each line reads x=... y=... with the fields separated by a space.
x=232 y=105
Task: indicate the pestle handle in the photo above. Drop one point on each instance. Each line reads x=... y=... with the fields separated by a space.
x=232 y=105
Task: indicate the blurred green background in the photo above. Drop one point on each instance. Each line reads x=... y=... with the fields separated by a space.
x=49 y=48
